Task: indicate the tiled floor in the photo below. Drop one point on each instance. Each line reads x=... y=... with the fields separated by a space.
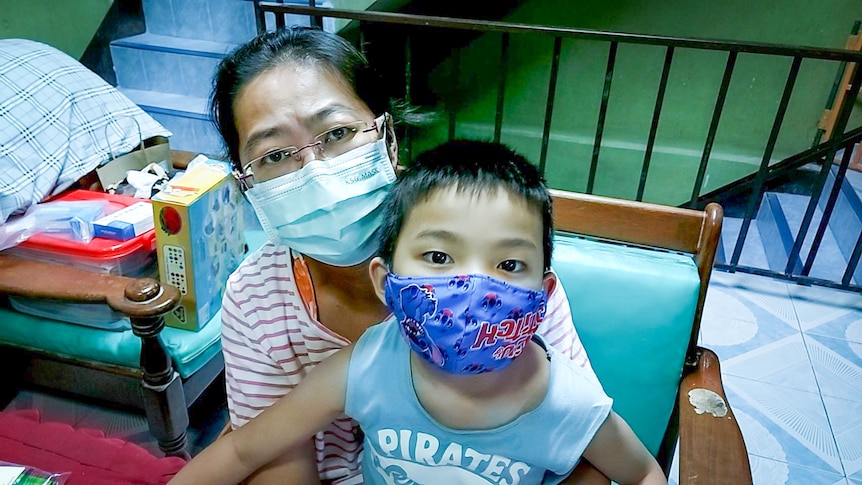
x=791 y=357
x=791 y=360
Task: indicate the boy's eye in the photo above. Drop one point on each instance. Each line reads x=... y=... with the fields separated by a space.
x=511 y=266
x=437 y=257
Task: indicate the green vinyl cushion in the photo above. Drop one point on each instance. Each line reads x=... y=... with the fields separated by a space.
x=633 y=309
x=188 y=350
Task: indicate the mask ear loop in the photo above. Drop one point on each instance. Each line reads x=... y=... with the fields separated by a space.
x=390 y=139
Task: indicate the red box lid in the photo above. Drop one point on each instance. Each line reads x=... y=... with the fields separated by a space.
x=98 y=248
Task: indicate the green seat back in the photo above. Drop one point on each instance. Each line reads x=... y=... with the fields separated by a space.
x=633 y=309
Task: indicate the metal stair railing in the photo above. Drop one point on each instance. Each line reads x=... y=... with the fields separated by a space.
x=755 y=183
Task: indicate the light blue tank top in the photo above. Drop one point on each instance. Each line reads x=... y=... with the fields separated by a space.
x=404 y=444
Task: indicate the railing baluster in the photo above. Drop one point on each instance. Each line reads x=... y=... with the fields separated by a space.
x=456 y=78
x=549 y=105
x=853 y=262
x=259 y=18
x=713 y=126
x=757 y=191
x=656 y=115
x=315 y=20
x=408 y=78
x=501 y=89
x=837 y=132
x=827 y=211
x=603 y=111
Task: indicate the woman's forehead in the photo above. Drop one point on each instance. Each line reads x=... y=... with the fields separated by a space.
x=304 y=89
x=294 y=98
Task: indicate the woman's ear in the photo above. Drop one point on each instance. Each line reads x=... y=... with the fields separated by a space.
x=549 y=283
x=391 y=141
x=378 y=270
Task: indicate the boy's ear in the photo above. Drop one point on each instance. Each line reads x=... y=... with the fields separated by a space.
x=378 y=270
x=549 y=283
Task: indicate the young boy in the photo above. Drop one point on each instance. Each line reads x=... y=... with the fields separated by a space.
x=464 y=266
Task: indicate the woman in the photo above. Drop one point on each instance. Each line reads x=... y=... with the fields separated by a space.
x=281 y=101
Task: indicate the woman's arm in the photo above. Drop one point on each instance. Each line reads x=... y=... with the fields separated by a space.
x=282 y=428
x=618 y=453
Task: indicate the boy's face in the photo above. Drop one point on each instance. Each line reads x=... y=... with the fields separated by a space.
x=454 y=233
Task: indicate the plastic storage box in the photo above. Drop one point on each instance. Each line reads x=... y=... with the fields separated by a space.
x=135 y=257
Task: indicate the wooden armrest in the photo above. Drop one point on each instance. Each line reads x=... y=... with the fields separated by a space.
x=711 y=449
x=135 y=297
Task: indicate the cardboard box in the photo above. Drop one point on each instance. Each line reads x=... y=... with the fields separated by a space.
x=199 y=239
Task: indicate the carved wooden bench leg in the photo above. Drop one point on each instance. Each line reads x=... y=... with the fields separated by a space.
x=161 y=386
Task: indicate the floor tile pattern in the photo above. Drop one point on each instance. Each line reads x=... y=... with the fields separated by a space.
x=791 y=359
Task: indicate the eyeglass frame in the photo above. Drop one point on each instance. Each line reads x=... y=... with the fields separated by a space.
x=245 y=177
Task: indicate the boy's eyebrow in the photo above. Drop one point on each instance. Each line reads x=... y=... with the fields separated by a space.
x=437 y=234
x=514 y=242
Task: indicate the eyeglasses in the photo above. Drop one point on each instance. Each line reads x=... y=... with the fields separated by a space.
x=329 y=144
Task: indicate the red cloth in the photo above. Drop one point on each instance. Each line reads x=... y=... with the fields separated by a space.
x=86 y=454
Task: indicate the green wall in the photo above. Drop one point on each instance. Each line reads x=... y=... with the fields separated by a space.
x=694 y=82
x=66 y=25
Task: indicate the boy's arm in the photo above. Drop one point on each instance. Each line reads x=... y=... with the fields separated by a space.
x=289 y=423
x=620 y=455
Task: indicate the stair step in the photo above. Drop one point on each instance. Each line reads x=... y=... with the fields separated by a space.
x=187 y=117
x=214 y=20
x=778 y=221
x=150 y=62
x=752 y=255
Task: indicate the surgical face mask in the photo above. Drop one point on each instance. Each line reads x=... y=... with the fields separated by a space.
x=465 y=324
x=330 y=209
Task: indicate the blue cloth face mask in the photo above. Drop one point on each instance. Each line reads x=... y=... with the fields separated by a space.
x=465 y=324
x=330 y=209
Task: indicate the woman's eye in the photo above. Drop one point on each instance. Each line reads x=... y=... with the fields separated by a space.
x=437 y=257
x=511 y=266
x=275 y=157
x=342 y=133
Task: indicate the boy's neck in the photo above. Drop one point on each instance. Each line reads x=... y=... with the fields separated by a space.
x=483 y=401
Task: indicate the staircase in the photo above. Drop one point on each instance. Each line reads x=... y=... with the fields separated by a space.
x=770 y=236
x=168 y=70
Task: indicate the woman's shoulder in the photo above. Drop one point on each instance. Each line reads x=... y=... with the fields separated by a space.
x=266 y=262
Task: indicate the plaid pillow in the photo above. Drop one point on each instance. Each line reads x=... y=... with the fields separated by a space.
x=58 y=122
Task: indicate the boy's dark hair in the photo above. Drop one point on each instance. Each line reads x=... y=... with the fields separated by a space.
x=470 y=166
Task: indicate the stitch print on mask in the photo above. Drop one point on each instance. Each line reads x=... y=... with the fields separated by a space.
x=465 y=324
x=418 y=303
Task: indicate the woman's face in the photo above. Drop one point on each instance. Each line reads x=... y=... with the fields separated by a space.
x=289 y=106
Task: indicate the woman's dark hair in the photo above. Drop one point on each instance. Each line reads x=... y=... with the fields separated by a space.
x=474 y=166
x=303 y=45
